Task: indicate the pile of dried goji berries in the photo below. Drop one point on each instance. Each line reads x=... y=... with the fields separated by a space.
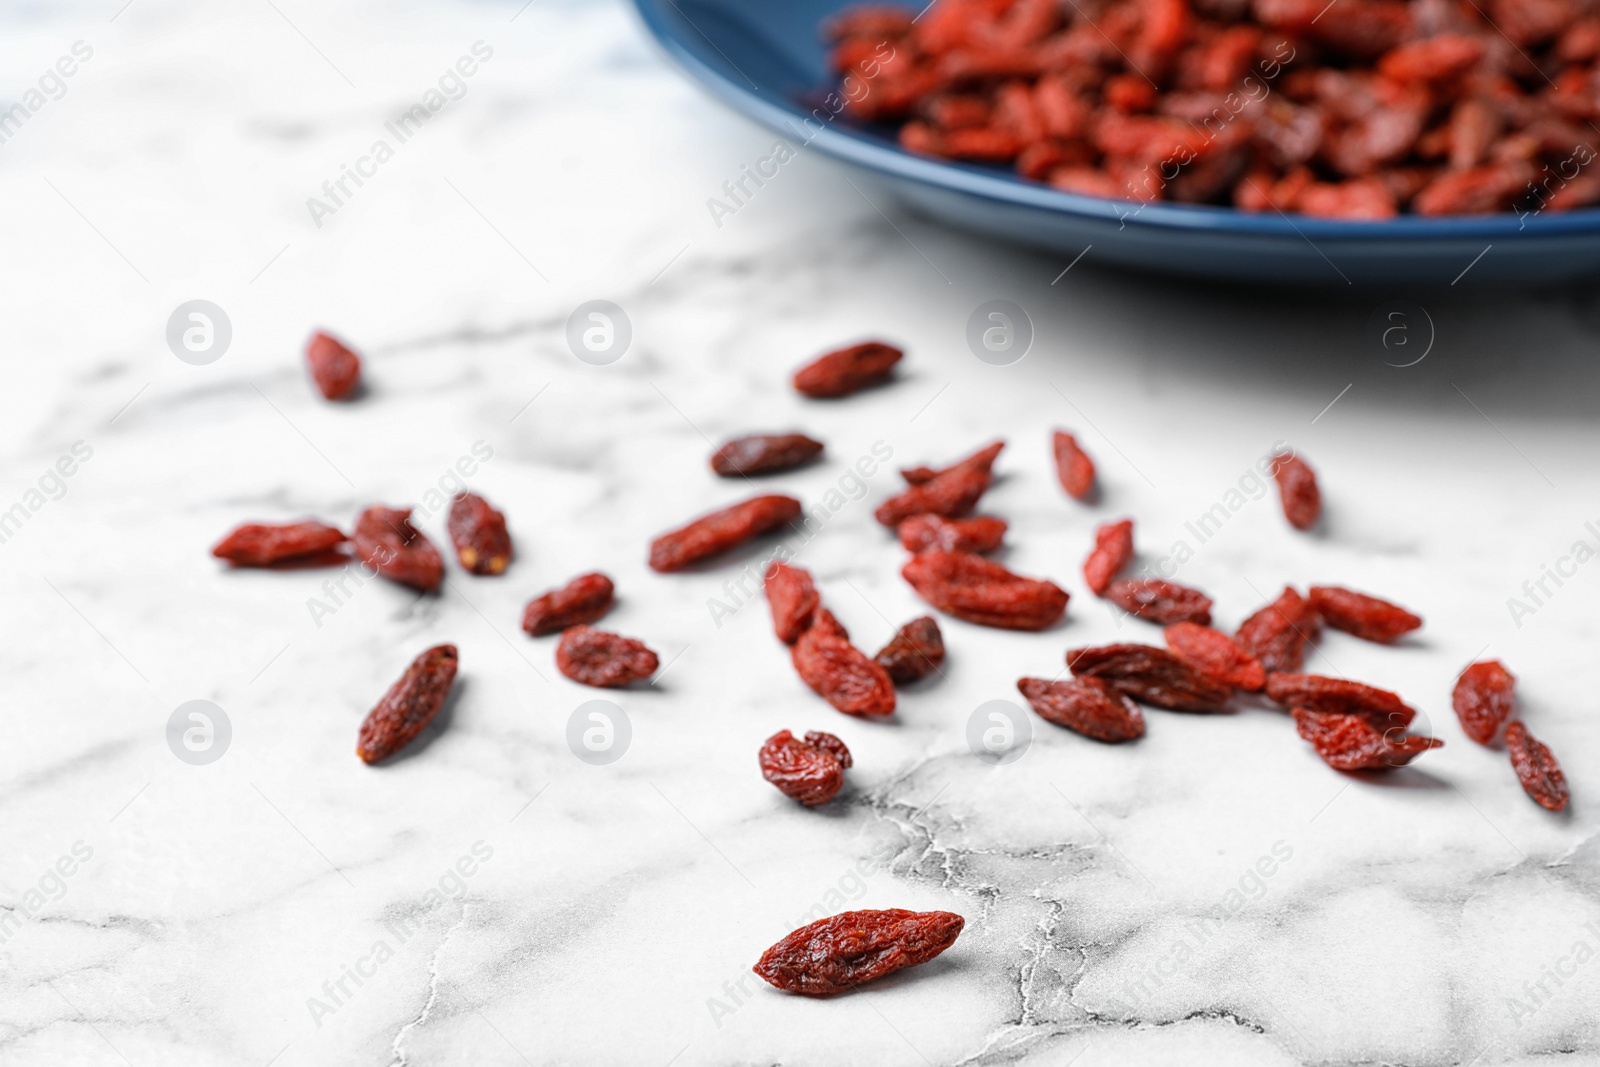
x=1355 y=109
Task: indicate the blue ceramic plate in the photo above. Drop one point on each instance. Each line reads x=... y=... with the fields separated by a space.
x=766 y=59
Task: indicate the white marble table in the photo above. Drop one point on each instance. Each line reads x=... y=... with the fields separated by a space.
x=490 y=898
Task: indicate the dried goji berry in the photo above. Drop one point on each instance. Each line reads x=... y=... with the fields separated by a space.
x=793 y=597
x=1536 y=768
x=1277 y=634
x=719 y=531
x=1297 y=488
x=1340 y=696
x=1113 y=550
x=478 y=531
x=335 y=369
x=1149 y=674
x=952 y=492
x=257 y=544
x=387 y=542
x=982 y=459
x=1159 y=601
x=839 y=672
x=810 y=770
x=585 y=599
x=847 y=370
x=608 y=660
x=980 y=534
x=764 y=454
x=868 y=20
x=409 y=705
x=1088 y=705
x=1484 y=699
x=915 y=651
x=1215 y=655
x=982 y=591
x=1073 y=466
x=841 y=952
x=1352 y=743
x=1365 y=616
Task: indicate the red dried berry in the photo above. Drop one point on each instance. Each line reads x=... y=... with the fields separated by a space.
x=478 y=531
x=257 y=544
x=793 y=597
x=387 y=542
x=335 y=369
x=847 y=370
x=607 y=660
x=980 y=534
x=1073 y=466
x=811 y=770
x=1113 y=550
x=1277 y=634
x=1365 y=616
x=839 y=672
x=1536 y=769
x=915 y=651
x=409 y=705
x=951 y=493
x=1159 y=601
x=764 y=454
x=1088 y=705
x=982 y=591
x=1340 y=696
x=1151 y=675
x=1352 y=743
x=1484 y=699
x=719 y=531
x=1297 y=488
x=839 y=953
x=982 y=459
x=583 y=600
x=1215 y=655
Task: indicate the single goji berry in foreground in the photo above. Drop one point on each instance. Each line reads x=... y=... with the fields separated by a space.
x=719 y=531
x=607 y=660
x=793 y=597
x=335 y=369
x=1215 y=655
x=982 y=591
x=1365 y=616
x=1340 y=696
x=764 y=454
x=1277 y=634
x=810 y=770
x=983 y=459
x=841 y=952
x=1088 y=705
x=951 y=493
x=847 y=370
x=409 y=705
x=839 y=672
x=1073 y=466
x=1484 y=699
x=387 y=542
x=1151 y=675
x=915 y=651
x=982 y=533
x=1160 y=602
x=257 y=544
x=1536 y=768
x=1113 y=550
x=1297 y=488
x=478 y=531
x=585 y=599
x=1352 y=743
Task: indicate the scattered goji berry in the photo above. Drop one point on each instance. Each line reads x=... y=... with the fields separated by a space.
x=1088 y=705
x=1536 y=768
x=915 y=651
x=981 y=533
x=847 y=370
x=1073 y=466
x=386 y=541
x=478 y=531
x=764 y=454
x=1215 y=655
x=335 y=369
x=1340 y=696
x=1277 y=634
x=719 y=531
x=1113 y=550
x=835 y=954
x=1484 y=699
x=607 y=660
x=950 y=493
x=409 y=705
x=839 y=672
x=1365 y=616
x=1151 y=675
x=257 y=544
x=1158 y=601
x=1353 y=743
x=982 y=591
x=583 y=600
x=793 y=597
x=982 y=459
x=1297 y=488
x=810 y=770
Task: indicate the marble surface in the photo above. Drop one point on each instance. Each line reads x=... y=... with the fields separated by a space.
x=1210 y=894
